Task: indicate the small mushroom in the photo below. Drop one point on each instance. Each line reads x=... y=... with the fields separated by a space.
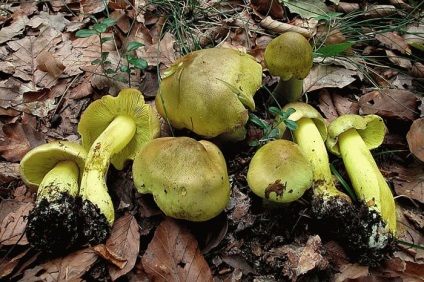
x=206 y=91
x=54 y=170
x=280 y=172
x=113 y=129
x=289 y=56
x=352 y=137
x=187 y=178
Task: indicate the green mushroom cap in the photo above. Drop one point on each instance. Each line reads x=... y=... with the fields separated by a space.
x=187 y=178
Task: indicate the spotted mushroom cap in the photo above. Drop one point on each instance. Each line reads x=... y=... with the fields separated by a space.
x=370 y=127
x=100 y=113
x=40 y=160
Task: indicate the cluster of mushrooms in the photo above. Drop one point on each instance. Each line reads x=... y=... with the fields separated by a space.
x=208 y=92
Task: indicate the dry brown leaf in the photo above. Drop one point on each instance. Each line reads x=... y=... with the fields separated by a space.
x=48 y=63
x=393 y=41
x=13 y=226
x=19 y=139
x=15 y=29
x=390 y=103
x=323 y=76
x=162 y=54
x=174 y=255
x=398 y=60
x=280 y=27
x=410 y=181
x=103 y=251
x=415 y=138
x=8 y=265
x=326 y=105
x=417 y=70
x=66 y=268
x=8 y=172
x=92 y=6
x=351 y=271
x=125 y=243
x=268 y=7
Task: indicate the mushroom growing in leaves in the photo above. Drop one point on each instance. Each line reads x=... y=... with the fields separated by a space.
x=54 y=170
x=289 y=56
x=113 y=129
x=187 y=178
x=352 y=137
x=280 y=172
x=206 y=91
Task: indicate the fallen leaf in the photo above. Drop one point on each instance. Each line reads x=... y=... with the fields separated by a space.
x=48 y=63
x=307 y=9
x=351 y=271
x=8 y=265
x=19 y=139
x=124 y=242
x=174 y=255
x=15 y=29
x=12 y=230
x=322 y=76
x=268 y=7
x=390 y=103
x=398 y=60
x=280 y=27
x=393 y=41
x=410 y=181
x=162 y=52
x=415 y=138
x=8 y=172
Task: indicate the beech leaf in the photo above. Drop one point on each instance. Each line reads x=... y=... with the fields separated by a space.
x=415 y=138
x=174 y=255
x=13 y=226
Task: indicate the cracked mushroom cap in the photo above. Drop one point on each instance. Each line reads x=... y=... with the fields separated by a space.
x=187 y=178
x=289 y=55
x=304 y=110
x=40 y=160
x=100 y=113
x=280 y=172
x=371 y=128
x=207 y=91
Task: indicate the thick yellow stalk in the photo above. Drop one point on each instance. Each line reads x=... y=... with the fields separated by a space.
x=310 y=141
x=93 y=184
x=367 y=180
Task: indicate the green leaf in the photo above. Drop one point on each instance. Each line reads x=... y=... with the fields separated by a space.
x=129 y=57
x=100 y=27
x=274 y=133
x=106 y=39
x=292 y=125
x=109 y=22
x=103 y=56
x=134 y=45
x=333 y=49
x=83 y=33
x=110 y=71
x=254 y=143
x=139 y=63
x=276 y=111
x=121 y=79
x=259 y=122
x=124 y=68
x=95 y=62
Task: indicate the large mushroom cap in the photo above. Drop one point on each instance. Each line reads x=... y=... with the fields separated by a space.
x=187 y=178
x=279 y=171
x=289 y=55
x=304 y=110
x=102 y=112
x=370 y=127
x=40 y=160
x=207 y=91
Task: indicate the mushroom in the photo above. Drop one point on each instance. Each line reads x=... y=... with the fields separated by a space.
x=352 y=137
x=112 y=129
x=54 y=170
x=187 y=178
x=206 y=91
x=289 y=56
x=280 y=172
x=310 y=136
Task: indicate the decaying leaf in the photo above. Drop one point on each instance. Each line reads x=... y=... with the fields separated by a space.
x=280 y=27
x=164 y=53
x=173 y=255
x=393 y=41
x=410 y=181
x=268 y=7
x=322 y=76
x=415 y=138
x=48 y=63
x=390 y=103
x=13 y=226
x=15 y=29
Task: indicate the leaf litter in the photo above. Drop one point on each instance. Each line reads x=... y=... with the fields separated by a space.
x=47 y=80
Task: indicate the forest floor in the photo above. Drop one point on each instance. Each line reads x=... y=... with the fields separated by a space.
x=368 y=59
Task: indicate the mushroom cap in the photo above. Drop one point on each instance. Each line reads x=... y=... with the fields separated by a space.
x=371 y=128
x=280 y=172
x=100 y=113
x=289 y=55
x=187 y=178
x=304 y=110
x=40 y=160
x=206 y=91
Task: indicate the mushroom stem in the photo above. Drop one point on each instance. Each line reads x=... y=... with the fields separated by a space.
x=367 y=180
x=287 y=91
x=62 y=178
x=93 y=183
x=310 y=141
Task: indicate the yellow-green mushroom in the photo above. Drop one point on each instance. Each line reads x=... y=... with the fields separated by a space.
x=207 y=91
x=280 y=172
x=289 y=56
x=54 y=170
x=113 y=129
x=352 y=137
x=187 y=178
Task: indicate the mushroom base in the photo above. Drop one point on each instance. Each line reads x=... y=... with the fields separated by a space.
x=96 y=228
x=54 y=226
x=360 y=230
